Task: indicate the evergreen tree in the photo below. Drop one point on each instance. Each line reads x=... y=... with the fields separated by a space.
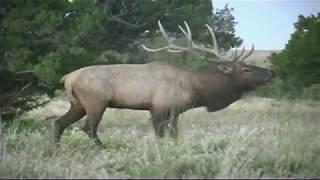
x=41 y=40
x=298 y=65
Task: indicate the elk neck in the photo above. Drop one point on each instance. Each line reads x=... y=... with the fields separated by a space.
x=215 y=90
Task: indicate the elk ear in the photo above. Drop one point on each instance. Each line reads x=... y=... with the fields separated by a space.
x=225 y=69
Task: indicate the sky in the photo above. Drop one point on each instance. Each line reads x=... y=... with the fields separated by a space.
x=267 y=24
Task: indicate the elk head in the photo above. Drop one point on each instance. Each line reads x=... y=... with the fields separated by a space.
x=246 y=77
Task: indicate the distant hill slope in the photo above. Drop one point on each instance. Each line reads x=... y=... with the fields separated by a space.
x=259 y=57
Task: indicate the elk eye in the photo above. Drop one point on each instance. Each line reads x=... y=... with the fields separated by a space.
x=246 y=70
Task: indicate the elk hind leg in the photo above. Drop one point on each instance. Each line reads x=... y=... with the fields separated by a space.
x=75 y=113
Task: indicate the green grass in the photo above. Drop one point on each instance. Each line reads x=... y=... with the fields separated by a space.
x=252 y=138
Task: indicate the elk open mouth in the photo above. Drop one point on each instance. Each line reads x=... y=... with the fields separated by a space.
x=269 y=80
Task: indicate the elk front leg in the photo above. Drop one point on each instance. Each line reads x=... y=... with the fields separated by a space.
x=173 y=129
x=91 y=127
x=92 y=123
x=159 y=122
x=165 y=120
x=159 y=127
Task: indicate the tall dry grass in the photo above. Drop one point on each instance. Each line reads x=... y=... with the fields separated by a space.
x=252 y=138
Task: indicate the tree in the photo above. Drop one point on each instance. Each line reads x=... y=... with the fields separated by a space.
x=298 y=65
x=41 y=40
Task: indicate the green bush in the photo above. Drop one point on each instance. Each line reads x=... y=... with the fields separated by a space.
x=312 y=92
x=299 y=63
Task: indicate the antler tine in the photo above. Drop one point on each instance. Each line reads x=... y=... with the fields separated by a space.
x=192 y=45
x=236 y=58
x=188 y=34
x=165 y=36
x=163 y=31
x=215 y=47
x=214 y=40
x=153 y=50
x=242 y=51
x=174 y=50
x=249 y=53
x=235 y=54
x=170 y=47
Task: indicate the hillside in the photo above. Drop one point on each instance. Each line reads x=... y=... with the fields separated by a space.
x=259 y=57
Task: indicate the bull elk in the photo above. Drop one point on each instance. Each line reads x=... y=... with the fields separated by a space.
x=164 y=89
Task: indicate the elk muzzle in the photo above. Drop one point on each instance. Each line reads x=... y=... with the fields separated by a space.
x=271 y=77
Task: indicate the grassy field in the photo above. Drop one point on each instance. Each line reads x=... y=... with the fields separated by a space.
x=254 y=137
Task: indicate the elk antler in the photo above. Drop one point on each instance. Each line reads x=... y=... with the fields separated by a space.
x=248 y=54
x=171 y=47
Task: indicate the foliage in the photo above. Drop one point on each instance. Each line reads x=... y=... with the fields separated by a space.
x=46 y=39
x=312 y=92
x=298 y=65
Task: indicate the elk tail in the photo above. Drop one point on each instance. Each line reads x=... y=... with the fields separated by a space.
x=67 y=81
x=63 y=78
